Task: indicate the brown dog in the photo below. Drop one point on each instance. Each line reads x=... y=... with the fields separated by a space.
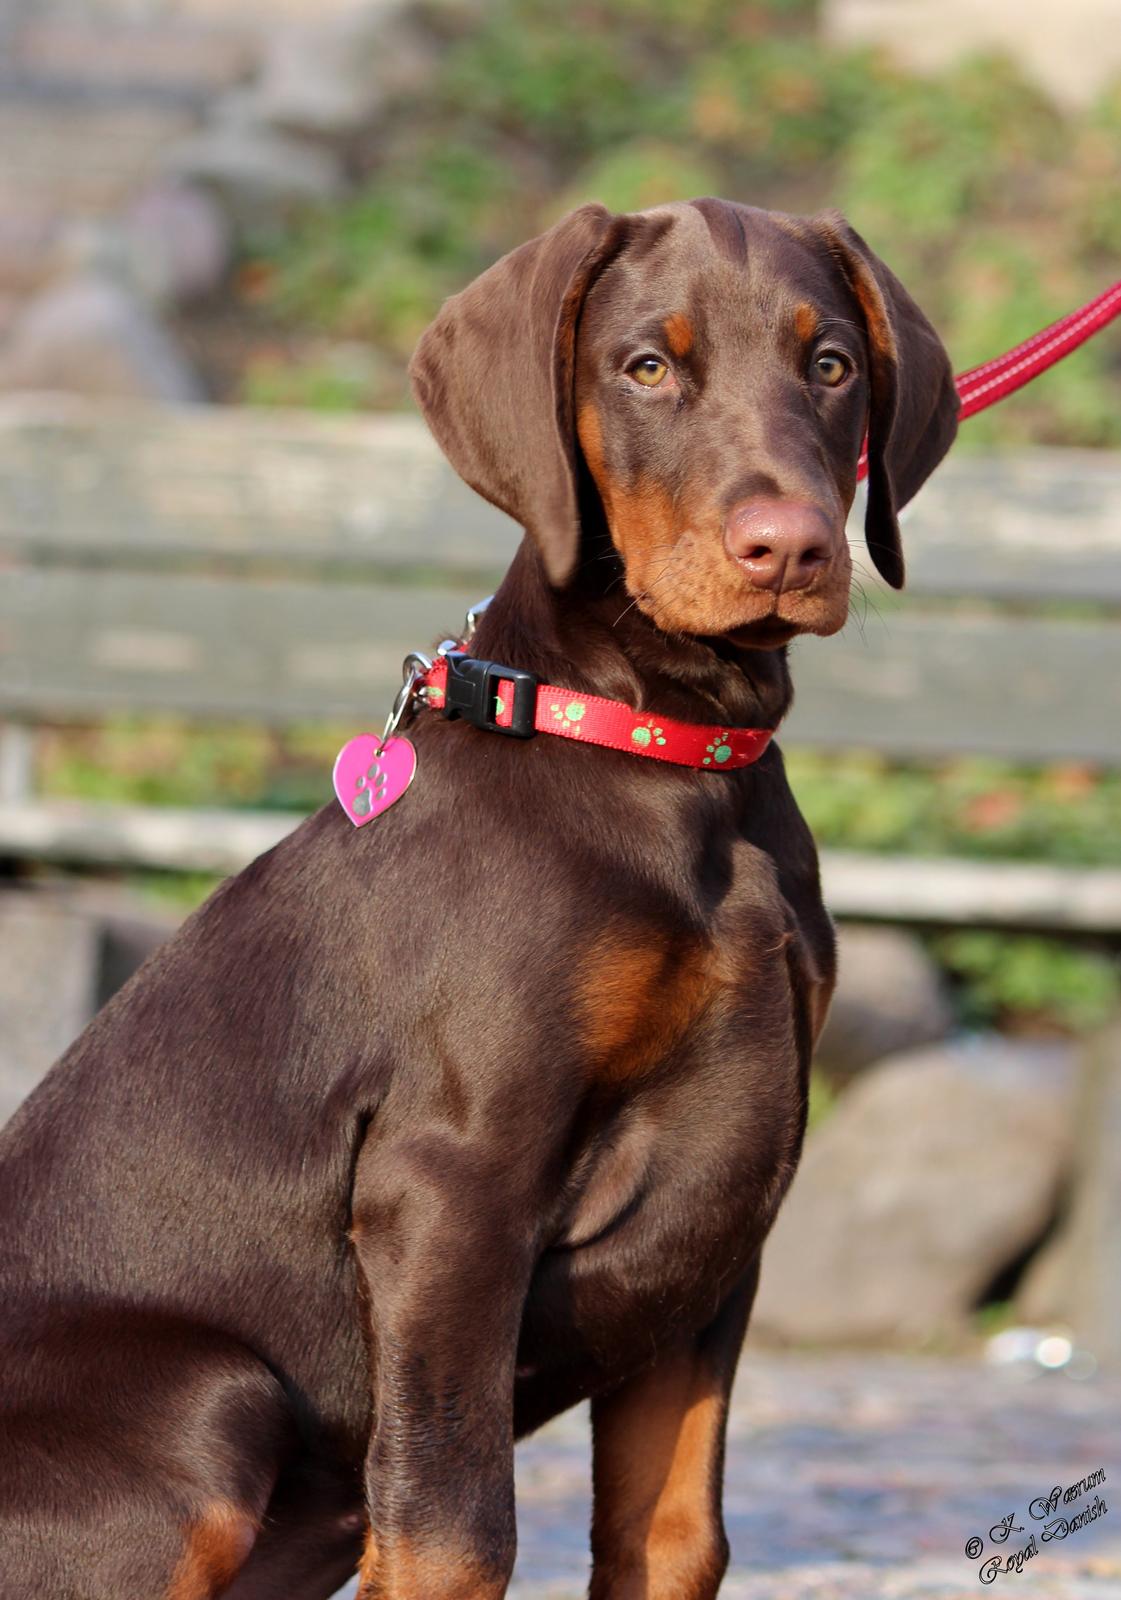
x=413 y=1137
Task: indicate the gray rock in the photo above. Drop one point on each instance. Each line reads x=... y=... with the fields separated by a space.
x=259 y=174
x=49 y=957
x=180 y=243
x=318 y=80
x=1076 y=1278
x=91 y=335
x=61 y=51
x=889 y=997
x=935 y=1172
x=1043 y=1295
x=28 y=242
x=331 y=78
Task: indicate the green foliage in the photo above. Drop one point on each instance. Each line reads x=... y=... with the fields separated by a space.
x=1028 y=979
x=933 y=153
x=991 y=1318
x=1068 y=814
x=180 y=891
x=641 y=173
x=998 y=211
x=964 y=183
x=980 y=808
x=823 y=1097
x=378 y=267
x=147 y=760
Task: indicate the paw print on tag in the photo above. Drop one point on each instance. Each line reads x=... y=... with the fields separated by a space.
x=718 y=750
x=646 y=734
x=371 y=786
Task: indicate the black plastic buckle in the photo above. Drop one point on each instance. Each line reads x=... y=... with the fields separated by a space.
x=471 y=692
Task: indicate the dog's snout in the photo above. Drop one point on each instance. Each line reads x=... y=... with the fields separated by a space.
x=779 y=544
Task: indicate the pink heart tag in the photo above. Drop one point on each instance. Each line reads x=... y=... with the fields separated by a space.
x=368 y=783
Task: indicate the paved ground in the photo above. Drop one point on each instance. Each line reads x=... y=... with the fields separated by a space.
x=862 y=1478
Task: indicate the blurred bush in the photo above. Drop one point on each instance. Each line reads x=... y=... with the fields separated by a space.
x=999 y=211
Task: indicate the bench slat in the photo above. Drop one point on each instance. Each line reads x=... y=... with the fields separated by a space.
x=1017 y=688
x=84 y=645
x=1039 y=525
x=143 y=488
x=899 y=889
x=81 y=645
x=92 y=483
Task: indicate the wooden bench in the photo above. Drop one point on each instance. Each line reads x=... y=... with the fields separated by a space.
x=275 y=567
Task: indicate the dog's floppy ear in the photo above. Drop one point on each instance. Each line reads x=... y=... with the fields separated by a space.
x=494 y=377
x=914 y=405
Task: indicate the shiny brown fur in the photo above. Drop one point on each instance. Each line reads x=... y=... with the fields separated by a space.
x=415 y=1136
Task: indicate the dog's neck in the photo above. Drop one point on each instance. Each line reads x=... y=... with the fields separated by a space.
x=589 y=635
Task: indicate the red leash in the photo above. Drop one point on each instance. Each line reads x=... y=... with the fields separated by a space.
x=983 y=386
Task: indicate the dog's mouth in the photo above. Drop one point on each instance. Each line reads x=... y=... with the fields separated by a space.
x=769 y=633
x=690 y=585
x=785 y=618
x=820 y=610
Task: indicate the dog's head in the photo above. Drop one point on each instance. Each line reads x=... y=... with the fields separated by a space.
x=714 y=369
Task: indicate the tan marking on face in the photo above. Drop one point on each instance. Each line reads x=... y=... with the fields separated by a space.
x=640 y=520
x=881 y=335
x=217 y=1547
x=879 y=327
x=677 y=570
x=657 y=1532
x=589 y=431
x=805 y=322
x=638 y=994
x=679 y=333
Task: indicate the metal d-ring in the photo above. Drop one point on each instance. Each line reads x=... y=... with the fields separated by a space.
x=414 y=667
x=470 y=623
x=472 y=619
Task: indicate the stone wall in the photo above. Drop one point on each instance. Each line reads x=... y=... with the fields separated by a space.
x=1071 y=50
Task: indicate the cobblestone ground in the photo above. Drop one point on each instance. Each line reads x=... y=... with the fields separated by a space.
x=862 y=1478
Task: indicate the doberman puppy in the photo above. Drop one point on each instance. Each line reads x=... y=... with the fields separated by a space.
x=415 y=1136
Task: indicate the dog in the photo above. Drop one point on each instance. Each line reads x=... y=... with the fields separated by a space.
x=413 y=1137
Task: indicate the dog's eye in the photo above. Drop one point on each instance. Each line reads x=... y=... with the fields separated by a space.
x=830 y=368
x=649 y=371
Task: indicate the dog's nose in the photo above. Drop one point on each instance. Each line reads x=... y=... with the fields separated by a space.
x=780 y=544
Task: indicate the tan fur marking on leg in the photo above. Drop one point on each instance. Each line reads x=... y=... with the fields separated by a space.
x=395 y=1570
x=637 y=994
x=657 y=1527
x=217 y=1547
x=368 y=1568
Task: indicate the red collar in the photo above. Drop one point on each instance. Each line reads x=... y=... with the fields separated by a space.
x=510 y=701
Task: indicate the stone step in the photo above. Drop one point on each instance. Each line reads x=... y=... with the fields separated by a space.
x=80 y=160
x=90 y=57
x=858 y=1476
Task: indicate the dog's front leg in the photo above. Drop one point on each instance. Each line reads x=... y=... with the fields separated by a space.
x=658 y=1467
x=445 y=1236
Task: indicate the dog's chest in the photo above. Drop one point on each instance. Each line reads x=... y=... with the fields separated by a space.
x=702 y=1041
